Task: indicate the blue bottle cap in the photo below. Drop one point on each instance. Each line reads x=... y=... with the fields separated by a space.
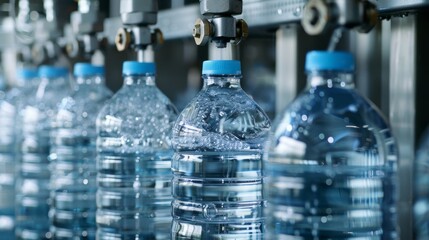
x=138 y=68
x=52 y=72
x=329 y=60
x=27 y=73
x=222 y=67
x=87 y=69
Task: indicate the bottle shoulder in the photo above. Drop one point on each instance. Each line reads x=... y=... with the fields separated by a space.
x=323 y=120
x=84 y=99
x=11 y=99
x=138 y=102
x=221 y=119
x=338 y=102
x=81 y=107
x=47 y=96
x=144 y=117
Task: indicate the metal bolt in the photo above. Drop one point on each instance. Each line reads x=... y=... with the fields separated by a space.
x=370 y=17
x=72 y=48
x=316 y=17
x=123 y=39
x=242 y=31
x=196 y=32
x=202 y=31
x=157 y=37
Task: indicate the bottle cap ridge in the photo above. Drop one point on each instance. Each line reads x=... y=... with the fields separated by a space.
x=329 y=60
x=27 y=73
x=52 y=71
x=222 y=67
x=87 y=69
x=138 y=68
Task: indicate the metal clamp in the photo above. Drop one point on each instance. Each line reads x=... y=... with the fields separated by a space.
x=221 y=27
x=85 y=24
x=137 y=16
x=137 y=38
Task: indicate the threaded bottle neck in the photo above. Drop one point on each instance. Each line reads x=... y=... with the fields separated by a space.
x=330 y=79
x=90 y=80
x=223 y=81
x=139 y=80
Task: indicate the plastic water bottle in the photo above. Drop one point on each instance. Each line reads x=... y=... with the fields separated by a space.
x=9 y=146
x=73 y=153
x=421 y=189
x=218 y=141
x=331 y=161
x=33 y=176
x=134 y=159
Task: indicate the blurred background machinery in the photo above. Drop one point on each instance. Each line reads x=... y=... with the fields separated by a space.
x=388 y=37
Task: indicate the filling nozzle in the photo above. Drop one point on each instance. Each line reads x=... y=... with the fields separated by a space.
x=88 y=6
x=220 y=26
x=137 y=16
x=320 y=15
x=37 y=36
x=86 y=23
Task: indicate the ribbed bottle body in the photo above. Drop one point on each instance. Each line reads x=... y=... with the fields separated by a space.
x=331 y=161
x=134 y=162
x=217 y=166
x=10 y=133
x=33 y=178
x=73 y=160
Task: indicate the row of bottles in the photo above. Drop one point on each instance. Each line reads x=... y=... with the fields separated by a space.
x=128 y=166
x=134 y=159
x=72 y=156
x=10 y=105
x=33 y=174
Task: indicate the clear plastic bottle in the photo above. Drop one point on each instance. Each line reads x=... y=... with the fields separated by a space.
x=331 y=161
x=134 y=159
x=9 y=146
x=33 y=174
x=73 y=153
x=421 y=189
x=218 y=141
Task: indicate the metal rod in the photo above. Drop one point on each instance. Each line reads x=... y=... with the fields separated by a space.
x=140 y=55
x=286 y=65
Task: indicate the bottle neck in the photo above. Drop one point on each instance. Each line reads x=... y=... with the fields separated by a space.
x=58 y=81
x=139 y=80
x=223 y=81
x=28 y=83
x=51 y=84
x=90 y=80
x=330 y=79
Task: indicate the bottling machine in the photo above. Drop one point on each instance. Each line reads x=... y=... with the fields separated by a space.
x=388 y=37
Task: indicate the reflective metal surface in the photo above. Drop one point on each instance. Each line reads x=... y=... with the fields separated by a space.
x=391 y=6
x=408 y=99
x=259 y=13
x=178 y=22
x=286 y=65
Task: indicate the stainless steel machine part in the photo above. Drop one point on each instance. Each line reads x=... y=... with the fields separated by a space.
x=320 y=15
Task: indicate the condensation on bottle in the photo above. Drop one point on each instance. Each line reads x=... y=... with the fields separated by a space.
x=134 y=159
x=10 y=105
x=36 y=117
x=218 y=141
x=73 y=155
x=331 y=161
